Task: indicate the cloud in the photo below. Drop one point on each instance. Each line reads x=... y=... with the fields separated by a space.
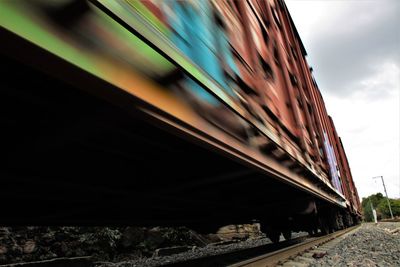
x=370 y=135
x=383 y=82
x=349 y=48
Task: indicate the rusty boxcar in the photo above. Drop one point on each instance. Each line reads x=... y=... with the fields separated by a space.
x=145 y=112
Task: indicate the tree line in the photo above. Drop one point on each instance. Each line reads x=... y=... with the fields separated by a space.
x=381 y=206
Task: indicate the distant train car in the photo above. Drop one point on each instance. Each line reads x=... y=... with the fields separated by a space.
x=200 y=113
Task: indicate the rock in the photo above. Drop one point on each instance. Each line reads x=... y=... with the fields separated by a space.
x=318 y=255
x=47 y=238
x=60 y=236
x=239 y=231
x=336 y=258
x=64 y=248
x=3 y=259
x=4 y=232
x=154 y=238
x=171 y=250
x=3 y=249
x=16 y=249
x=214 y=238
x=368 y=262
x=29 y=246
x=132 y=236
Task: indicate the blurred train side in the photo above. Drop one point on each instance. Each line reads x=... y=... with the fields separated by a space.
x=280 y=88
x=241 y=67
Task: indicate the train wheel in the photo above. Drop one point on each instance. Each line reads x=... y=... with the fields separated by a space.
x=274 y=236
x=287 y=234
x=325 y=229
x=271 y=231
x=324 y=226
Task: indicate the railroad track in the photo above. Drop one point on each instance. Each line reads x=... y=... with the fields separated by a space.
x=297 y=255
x=286 y=253
x=232 y=257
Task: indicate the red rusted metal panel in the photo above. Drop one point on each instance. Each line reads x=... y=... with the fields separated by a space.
x=283 y=93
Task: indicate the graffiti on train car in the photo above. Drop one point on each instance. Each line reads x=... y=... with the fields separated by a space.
x=333 y=167
x=193 y=30
x=239 y=57
x=239 y=46
x=198 y=32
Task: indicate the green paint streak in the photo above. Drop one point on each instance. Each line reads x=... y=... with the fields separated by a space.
x=167 y=48
x=141 y=9
x=158 y=62
x=17 y=20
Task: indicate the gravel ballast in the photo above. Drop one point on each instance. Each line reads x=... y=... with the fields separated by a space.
x=198 y=252
x=370 y=245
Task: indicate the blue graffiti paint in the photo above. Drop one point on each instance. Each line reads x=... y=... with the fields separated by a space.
x=196 y=34
x=333 y=167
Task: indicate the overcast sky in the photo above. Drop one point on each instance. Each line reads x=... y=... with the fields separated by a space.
x=354 y=49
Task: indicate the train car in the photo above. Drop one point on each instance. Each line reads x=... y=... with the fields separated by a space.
x=197 y=113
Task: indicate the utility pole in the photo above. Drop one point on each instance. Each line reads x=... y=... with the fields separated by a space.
x=387 y=198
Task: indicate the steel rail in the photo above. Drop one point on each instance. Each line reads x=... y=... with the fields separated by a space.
x=278 y=256
x=231 y=257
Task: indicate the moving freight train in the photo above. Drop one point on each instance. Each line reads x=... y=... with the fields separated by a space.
x=200 y=113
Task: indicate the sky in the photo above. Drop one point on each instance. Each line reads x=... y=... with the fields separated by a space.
x=354 y=49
